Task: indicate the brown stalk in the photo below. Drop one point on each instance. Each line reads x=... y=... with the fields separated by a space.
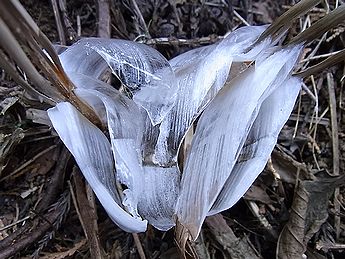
x=9 y=67
x=88 y=216
x=58 y=22
x=14 y=18
x=103 y=19
x=321 y=26
x=284 y=21
x=13 y=49
x=327 y=63
x=335 y=148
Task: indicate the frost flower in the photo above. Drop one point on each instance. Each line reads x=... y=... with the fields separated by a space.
x=242 y=94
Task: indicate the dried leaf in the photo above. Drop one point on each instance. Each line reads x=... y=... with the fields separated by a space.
x=308 y=213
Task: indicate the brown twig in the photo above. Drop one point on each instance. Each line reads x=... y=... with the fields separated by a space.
x=241 y=18
x=16 y=243
x=17 y=27
x=236 y=247
x=55 y=184
x=88 y=215
x=58 y=22
x=16 y=172
x=321 y=26
x=103 y=18
x=139 y=246
x=140 y=18
x=254 y=208
x=75 y=203
x=284 y=21
x=12 y=47
x=335 y=147
x=188 y=42
x=10 y=68
x=323 y=65
x=72 y=35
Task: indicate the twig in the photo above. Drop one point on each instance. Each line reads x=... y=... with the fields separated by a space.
x=23 y=166
x=58 y=22
x=325 y=64
x=315 y=125
x=139 y=246
x=12 y=47
x=284 y=21
x=236 y=247
x=88 y=215
x=5 y=64
x=306 y=89
x=325 y=246
x=320 y=56
x=56 y=181
x=14 y=223
x=272 y=170
x=321 y=26
x=13 y=244
x=72 y=35
x=174 y=41
x=241 y=18
x=17 y=27
x=254 y=208
x=335 y=147
x=103 y=19
x=66 y=254
x=75 y=203
x=181 y=238
x=78 y=26
x=298 y=115
x=140 y=18
x=320 y=120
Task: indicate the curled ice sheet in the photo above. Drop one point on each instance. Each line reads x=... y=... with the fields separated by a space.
x=142 y=69
x=201 y=73
x=129 y=172
x=125 y=126
x=221 y=133
x=124 y=118
x=158 y=199
x=273 y=114
x=92 y=152
x=151 y=191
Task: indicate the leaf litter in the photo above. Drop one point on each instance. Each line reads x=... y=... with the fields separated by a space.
x=300 y=153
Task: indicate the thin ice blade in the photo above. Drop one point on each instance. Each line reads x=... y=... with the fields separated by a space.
x=150 y=192
x=200 y=73
x=92 y=152
x=142 y=70
x=261 y=140
x=158 y=199
x=221 y=133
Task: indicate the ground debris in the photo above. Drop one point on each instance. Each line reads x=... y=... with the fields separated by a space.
x=294 y=209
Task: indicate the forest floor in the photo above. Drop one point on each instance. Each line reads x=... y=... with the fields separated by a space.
x=297 y=203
